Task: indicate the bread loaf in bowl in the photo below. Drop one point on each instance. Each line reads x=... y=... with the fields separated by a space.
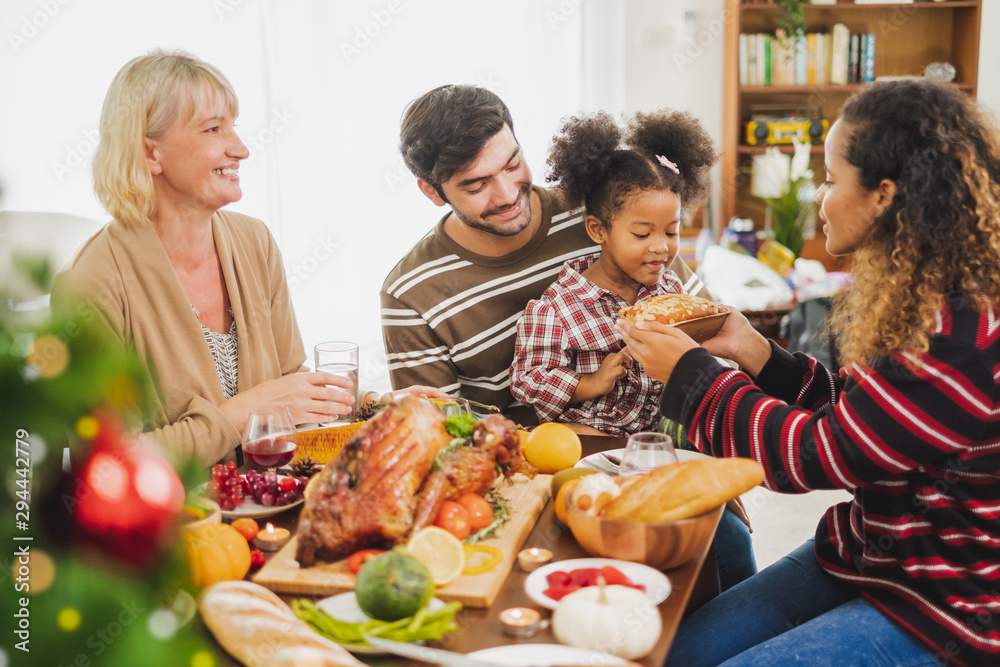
x=698 y=318
x=671 y=309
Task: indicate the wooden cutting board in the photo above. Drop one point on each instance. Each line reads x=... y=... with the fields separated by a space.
x=282 y=573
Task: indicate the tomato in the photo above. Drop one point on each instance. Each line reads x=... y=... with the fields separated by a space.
x=454 y=518
x=480 y=512
x=359 y=558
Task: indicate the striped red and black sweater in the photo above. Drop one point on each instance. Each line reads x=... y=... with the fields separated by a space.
x=917 y=441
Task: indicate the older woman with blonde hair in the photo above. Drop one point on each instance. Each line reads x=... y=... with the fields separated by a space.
x=199 y=292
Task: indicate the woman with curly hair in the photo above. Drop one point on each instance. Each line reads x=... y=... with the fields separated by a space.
x=906 y=573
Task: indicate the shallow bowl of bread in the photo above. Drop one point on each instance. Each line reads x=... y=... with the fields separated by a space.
x=665 y=517
x=663 y=544
x=698 y=318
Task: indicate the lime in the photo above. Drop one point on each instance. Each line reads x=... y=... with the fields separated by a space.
x=393 y=586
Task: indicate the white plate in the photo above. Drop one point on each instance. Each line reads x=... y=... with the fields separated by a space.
x=251 y=509
x=656 y=583
x=344 y=607
x=541 y=655
x=682 y=455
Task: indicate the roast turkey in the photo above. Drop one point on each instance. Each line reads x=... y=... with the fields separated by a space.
x=390 y=479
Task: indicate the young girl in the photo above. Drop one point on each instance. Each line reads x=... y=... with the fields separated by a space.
x=636 y=185
x=906 y=573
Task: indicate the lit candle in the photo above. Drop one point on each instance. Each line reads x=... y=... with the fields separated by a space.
x=520 y=621
x=533 y=558
x=271 y=538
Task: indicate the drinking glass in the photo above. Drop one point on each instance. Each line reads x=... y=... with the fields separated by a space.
x=645 y=451
x=455 y=406
x=270 y=441
x=340 y=357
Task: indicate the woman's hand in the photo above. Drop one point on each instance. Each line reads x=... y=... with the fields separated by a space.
x=602 y=381
x=306 y=395
x=658 y=347
x=739 y=341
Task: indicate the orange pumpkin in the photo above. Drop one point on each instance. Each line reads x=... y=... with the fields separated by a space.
x=216 y=552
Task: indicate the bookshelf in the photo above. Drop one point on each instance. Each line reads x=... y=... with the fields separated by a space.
x=909 y=36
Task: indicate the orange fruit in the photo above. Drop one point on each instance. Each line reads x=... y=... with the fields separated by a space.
x=246 y=527
x=552 y=447
x=562 y=513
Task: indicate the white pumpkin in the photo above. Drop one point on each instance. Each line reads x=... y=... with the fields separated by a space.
x=618 y=620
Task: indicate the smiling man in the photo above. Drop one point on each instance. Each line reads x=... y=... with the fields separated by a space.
x=450 y=307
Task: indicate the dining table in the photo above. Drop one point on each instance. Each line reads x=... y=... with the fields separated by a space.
x=692 y=584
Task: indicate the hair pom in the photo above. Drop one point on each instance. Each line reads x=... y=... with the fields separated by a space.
x=581 y=153
x=679 y=136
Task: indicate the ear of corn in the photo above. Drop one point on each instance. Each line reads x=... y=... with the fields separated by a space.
x=323 y=444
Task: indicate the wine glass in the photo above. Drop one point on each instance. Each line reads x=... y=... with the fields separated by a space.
x=645 y=451
x=270 y=440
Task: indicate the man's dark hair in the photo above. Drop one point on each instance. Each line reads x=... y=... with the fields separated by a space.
x=443 y=131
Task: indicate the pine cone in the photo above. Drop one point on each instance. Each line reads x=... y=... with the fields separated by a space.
x=304 y=466
x=369 y=410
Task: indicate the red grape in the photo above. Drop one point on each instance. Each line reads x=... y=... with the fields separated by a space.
x=266 y=499
x=214 y=489
x=219 y=473
x=226 y=503
x=288 y=483
x=231 y=468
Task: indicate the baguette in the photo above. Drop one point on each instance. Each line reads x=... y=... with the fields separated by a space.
x=259 y=630
x=671 y=309
x=683 y=490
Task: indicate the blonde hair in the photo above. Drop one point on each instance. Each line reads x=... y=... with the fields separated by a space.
x=147 y=96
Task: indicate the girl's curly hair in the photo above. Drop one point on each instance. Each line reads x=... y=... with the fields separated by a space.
x=596 y=162
x=939 y=240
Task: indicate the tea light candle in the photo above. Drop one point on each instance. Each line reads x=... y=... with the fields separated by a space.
x=271 y=538
x=533 y=558
x=520 y=621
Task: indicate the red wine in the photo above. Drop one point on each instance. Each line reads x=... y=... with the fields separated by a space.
x=270 y=452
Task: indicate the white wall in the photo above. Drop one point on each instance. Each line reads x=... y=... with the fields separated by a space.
x=326 y=175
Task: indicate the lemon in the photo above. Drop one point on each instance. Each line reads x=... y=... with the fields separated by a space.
x=440 y=553
x=310 y=487
x=552 y=447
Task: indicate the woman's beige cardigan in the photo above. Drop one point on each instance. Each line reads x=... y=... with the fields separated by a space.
x=125 y=273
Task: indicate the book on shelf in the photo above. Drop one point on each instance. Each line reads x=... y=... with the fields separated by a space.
x=834 y=58
x=839 y=64
x=869 y=68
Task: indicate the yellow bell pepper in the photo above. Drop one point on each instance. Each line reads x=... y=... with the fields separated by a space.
x=493 y=558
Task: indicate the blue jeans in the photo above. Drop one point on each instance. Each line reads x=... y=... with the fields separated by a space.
x=794 y=613
x=733 y=551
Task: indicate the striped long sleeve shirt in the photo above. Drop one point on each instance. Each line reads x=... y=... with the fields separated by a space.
x=917 y=441
x=449 y=316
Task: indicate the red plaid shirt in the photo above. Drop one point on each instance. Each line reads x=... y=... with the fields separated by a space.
x=567 y=334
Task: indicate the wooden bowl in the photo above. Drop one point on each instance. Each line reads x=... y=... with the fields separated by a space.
x=663 y=545
x=703 y=328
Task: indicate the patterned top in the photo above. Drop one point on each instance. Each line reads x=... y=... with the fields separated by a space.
x=225 y=351
x=567 y=334
x=917 y=441
x=449 y=316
